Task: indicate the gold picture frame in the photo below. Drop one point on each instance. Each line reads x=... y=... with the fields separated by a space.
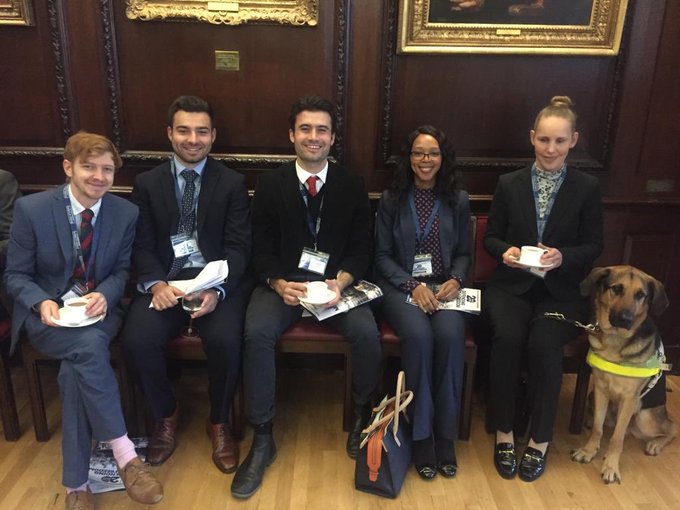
x=290 y=12
x=16 y=12
x=547 y=27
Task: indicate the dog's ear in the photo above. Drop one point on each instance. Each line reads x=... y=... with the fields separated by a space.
x=596 y=277
x=658 y=298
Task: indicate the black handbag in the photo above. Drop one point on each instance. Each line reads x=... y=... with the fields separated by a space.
x=385 y=453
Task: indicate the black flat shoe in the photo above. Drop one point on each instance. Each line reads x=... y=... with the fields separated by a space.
x=426 y=472
x=447 y=468
x=532 y=465
x=505 y=460
x=249 y=474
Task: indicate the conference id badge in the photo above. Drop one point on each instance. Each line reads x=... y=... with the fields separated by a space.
x=183 y=245
x=422 y=265
x=314 y=261
x=77 y=290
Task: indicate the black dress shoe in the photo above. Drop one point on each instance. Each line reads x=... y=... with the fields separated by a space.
x=447 y=468
x=426 y=472
x=505 y=460
x=532 y=465
x=362 y=415
x=249 y=474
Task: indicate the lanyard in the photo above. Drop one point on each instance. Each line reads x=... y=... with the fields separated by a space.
x=541 y=220
x=75 y=236
x=421 y=234
x=313 y=227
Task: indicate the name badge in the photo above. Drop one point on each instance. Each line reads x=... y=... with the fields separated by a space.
x=314 y=261
x=183 y=245
x=77 y=290
x=422 y=265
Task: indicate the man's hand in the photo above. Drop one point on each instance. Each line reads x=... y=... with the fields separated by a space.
x=208 y=303
x=291 y=292
x=425 y=299
x=448 y=290
x=164 y=296
x=341 y=282
x=49 y=310
x=96 y=304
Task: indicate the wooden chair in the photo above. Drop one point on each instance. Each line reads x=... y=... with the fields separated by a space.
x=34 y=360
x=8 y=407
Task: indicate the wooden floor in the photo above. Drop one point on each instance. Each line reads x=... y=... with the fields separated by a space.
x=313 y=472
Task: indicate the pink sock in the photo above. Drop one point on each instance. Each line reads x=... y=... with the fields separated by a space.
x=83 y=487
x=123 y=450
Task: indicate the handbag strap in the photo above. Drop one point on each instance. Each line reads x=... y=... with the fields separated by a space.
x=390 y=409
x=374 y=454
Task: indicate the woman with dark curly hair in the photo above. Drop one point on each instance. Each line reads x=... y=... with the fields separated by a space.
x=423 y=252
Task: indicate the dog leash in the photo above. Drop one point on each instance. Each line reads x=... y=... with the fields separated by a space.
x=594 y=359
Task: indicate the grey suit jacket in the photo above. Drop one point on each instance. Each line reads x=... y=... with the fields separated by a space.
x=574 y=227
x=395 y=235
x=41 y=258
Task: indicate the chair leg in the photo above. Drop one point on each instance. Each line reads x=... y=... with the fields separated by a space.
x=347 y=400
x=8 y=407
x=35 y=393
x=580 y=398
x=468 y=384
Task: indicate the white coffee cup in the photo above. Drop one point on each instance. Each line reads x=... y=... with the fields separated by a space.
x=531 y=255
x=316 y=291
x=73 y=311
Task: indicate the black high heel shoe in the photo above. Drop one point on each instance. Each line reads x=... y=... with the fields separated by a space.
x=446 y=457
x=532 y=465
x=426 y=472
x=505 y=460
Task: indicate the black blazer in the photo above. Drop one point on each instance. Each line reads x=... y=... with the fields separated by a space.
x=223 y=221
x=574 y=227
x=280 y=230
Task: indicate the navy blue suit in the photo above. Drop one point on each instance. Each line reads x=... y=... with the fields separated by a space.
x=432 y=345
x=514 y=297
x=40 y=263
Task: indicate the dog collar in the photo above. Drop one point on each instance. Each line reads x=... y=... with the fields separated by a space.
x=649 y=368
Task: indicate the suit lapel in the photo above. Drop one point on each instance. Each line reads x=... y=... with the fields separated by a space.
x=408 y=232
x=290 y=188
x=563 y=201
x=63 y=228
x=211 y=175
x=169 y=196
x=103 y=230
x=525 y=203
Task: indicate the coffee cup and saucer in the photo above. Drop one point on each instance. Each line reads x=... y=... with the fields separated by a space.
x=73 y=314
x=530 y=257
x=317 y=293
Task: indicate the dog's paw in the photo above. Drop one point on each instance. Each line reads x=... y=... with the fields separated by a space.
x=610 y=473
x=654 y=446
x=583 y=455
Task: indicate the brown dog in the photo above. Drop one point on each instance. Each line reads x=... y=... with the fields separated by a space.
x=624 y=298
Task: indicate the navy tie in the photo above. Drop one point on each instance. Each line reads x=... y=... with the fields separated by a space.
x=187 y=218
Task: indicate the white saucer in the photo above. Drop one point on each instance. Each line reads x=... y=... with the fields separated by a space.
x=535 y=266
x=330 y=295
x=86 y=322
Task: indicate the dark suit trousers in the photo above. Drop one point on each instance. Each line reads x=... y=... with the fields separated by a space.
x=268 y=317
x=89 y=390
x=432 y=355
x=516 y=335
x=148 y=331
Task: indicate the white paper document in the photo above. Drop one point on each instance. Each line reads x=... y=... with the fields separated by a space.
x=213 y=274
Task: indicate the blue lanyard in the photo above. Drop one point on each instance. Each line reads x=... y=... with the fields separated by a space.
x=313 y=228
x=421 y=234
x=541 y=220
x=75 y=236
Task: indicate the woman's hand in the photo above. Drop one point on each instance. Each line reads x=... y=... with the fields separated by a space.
x=425 y=299
x=551 y=256
x=511 y=256
x=448 y=290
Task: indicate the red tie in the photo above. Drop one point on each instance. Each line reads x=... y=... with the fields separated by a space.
x=311 y=185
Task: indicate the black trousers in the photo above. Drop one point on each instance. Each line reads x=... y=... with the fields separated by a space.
x=148 y=331
x=517 y=333
x=268 y=317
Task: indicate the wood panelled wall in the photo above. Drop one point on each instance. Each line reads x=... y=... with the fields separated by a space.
x=85 y=65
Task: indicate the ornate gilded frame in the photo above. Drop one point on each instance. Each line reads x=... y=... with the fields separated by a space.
x=601 y=36
x=16 y=12
x=291 y=12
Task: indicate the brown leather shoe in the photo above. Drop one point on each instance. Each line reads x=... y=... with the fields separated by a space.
x=140 y=483
x=225 y=449
x=79 y=500
x=162 y=442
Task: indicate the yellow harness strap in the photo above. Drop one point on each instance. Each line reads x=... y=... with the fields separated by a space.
x=640 y=370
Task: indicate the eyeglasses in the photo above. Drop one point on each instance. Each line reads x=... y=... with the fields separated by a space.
x=421 y=155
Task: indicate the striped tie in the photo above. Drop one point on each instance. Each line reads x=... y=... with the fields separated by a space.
x=86 y=235
x=311 y=185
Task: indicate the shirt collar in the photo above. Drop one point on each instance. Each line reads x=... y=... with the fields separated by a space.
x=79 y=208
x=303 y=174
x=179 y=167
x=552 y=176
